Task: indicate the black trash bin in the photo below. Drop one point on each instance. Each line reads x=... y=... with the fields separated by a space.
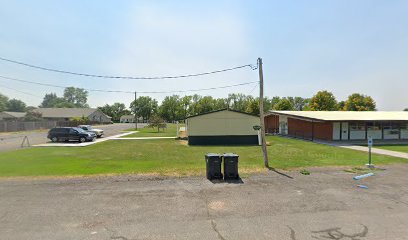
x=213 y=165
x=230 y=166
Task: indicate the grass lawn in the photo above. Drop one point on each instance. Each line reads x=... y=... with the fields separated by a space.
x=171 y=157
x=398 y=148
x=170 y=131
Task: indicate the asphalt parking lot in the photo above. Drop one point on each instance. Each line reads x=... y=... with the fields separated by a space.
x=12 y=141
x=324 y=205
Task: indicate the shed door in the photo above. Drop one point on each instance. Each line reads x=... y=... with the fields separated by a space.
x=344 y=131
x=336 y=131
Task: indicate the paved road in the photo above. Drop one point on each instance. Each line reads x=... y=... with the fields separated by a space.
x=325 y=205
x=12 y=141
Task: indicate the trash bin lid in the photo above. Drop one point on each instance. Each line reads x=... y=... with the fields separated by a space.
x=212 y=155
x=230 y=155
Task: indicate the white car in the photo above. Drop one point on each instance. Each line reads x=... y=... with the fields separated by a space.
x=99 y=132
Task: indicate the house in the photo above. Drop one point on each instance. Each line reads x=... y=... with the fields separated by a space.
x=222 y=127
x=127 y=119
x=65 y=114
x=339 y=125
x=11 y=116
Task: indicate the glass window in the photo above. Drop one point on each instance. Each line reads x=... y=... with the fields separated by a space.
x=372 y=126
x=357 y=126
x=404 y=126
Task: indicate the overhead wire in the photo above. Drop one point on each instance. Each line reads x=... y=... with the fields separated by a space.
x=132 y=92
x=253 y=67
x=2 y=86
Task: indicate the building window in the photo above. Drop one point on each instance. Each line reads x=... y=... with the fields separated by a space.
x=372 y=126
x=404 y=126
x=391 y=129
x=357 y=127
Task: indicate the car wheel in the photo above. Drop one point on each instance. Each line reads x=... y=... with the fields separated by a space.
x=54 y=139
x=82 y=139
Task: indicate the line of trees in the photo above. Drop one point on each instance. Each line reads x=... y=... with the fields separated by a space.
x=177 y=107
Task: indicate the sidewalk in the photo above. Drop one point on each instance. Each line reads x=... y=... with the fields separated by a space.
x=365 y=149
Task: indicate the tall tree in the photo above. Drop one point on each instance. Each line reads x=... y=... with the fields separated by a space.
x=323 y=101
x=359 y=102
x=15 y=105
x=171 y=109
x=144 y=106
x=284 y=104
x=186 y=105
x=76 y=96
x=3 y=102
x=205 y=104
x=49 y=101
x=115 y=110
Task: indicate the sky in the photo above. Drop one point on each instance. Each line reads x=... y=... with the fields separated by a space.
x=343 y=46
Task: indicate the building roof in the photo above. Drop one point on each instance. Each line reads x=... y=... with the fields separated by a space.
x=127 y=116
x=65 y=112
x=13 y=114
x=347 y=115
x=220 y=110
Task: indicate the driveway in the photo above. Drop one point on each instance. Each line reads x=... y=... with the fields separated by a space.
x=12 y=141
x=324 y=205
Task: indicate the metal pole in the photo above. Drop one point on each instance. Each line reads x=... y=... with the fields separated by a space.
x=135 y=111
x=261 y=114
x=369 y=156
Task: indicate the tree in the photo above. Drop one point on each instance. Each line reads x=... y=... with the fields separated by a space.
x=323 y=101
x=115 y=110
x=3 y=102
x=157 y=121
x=359 y=102
x=33 y=116
x=406 y=109
x=171 y=109
x=50 y=100
x=15 y=105
x=76 y=96
x=253 y=106
x=284 y=104
x=237 y=101
x=186 y=104
x=299 y=103
x=144 y=107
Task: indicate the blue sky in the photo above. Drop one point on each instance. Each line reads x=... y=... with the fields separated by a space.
x=341 y=46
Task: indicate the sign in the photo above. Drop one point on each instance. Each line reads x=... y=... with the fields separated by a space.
x=256 y=127
x=370 y=141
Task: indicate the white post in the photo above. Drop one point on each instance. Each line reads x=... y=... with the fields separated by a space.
x=259 y=138
x=178 y=130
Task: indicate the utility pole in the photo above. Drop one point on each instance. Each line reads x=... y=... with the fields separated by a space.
x=134 y=106
x=261 y=113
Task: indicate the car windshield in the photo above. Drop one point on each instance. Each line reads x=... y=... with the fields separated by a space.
x=80 y=130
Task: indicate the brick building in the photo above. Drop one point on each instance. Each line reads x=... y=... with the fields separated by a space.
x=339 y=125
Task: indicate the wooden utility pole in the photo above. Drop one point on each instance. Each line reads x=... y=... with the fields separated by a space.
x=261 y=113
x=134 y=106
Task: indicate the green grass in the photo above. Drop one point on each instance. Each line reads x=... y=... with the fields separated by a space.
x=171 y=157
x=170 y=131
x=398 y=148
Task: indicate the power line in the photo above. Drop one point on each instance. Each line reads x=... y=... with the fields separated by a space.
x=120 y=91
x=20 y=91
x=253 y=67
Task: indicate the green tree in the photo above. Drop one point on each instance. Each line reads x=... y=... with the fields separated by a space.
x=115 y=110
x=171 y=109
x=33 y=116
x=205 y=104
x=284 y=104
x=76 y=96
x=237 y=101
x=253 y=106
x=144 y=106
x=15 y=105
x=323 y=101
x=3 y=102
x=156 y=121
x=186 y=105
x=50 y=100
x=406 y=109
x=359 y=102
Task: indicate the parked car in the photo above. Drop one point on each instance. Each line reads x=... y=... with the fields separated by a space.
x=70 y=134
x=99 y=132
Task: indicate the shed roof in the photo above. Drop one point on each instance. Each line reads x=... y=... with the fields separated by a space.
x=65 y=112
x=220 y=110
x=347 y=115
